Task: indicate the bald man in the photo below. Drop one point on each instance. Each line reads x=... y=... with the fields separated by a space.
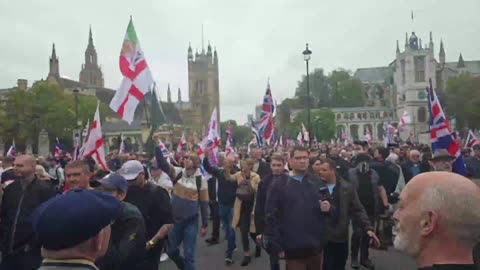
x=438 y=220
x=19 y=249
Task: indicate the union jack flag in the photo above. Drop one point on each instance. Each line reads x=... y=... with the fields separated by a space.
x=58 y=149
x=471 y=139
x=164 y=149
x=265 y=126
x=12 y=150
x=440 y=133
x=257 y=134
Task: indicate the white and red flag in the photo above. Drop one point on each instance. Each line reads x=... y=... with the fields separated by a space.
x=12 y=152
x=137 y=77
x=94 y=144
x=471 y=139
x=182 y=143
x=405 y=119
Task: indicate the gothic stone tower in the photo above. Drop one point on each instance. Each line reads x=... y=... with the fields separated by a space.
x=414 y=67
x=91 y=73
x=203 y=86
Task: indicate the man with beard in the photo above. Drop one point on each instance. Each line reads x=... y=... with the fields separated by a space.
x=436 y=223
x=366 y=183
x=442 y=161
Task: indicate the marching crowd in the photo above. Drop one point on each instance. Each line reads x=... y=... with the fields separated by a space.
x=297 y=204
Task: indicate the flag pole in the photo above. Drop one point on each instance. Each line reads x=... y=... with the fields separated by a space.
x=145 y=106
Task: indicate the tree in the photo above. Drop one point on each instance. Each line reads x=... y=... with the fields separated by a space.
x=463 y=101
x=241 y=134
x=338 y=89
x=322 y=124
x=44 y=106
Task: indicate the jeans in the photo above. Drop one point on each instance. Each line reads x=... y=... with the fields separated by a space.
x=335 y=256
x=360 y=241
x=226 y=216
x=274 y=262
x=215 y=219
x=186 y=233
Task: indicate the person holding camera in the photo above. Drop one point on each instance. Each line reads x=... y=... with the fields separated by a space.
x=346 y=206
x=295 y=215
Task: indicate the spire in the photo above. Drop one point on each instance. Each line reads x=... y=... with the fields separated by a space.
x=461 y=63
x=430 y=46
x=179 y=95
x=406 y=39
x=54 y=53
x=209 y=49
x=169 y=95
x=441 y=55
x=398 y=48
x=190 y=54
x=203 y=45
x=420 y=43
x=90 y=37
x=215 y=55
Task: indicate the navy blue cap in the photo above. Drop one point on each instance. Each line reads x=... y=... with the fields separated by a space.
x=74 y=217
x=113 y=181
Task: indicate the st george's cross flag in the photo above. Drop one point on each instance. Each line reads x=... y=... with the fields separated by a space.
x=137 y=77
x=94 y=144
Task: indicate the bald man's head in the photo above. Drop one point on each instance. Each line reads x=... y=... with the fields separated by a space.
x=437 y=206
x=25 y=166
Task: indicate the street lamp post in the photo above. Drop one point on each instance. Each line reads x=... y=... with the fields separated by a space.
x=306 y=56
x=75 y=94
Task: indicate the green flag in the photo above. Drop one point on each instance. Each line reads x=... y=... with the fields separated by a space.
x=157 y=119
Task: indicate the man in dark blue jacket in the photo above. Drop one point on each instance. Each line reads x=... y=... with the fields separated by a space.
x=295 y=216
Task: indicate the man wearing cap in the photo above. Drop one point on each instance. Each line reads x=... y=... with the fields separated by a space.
x=74 y=229
x=127 y=242
x=154 y=204
x=442 y=161
x=19 y=249
x=190 y=193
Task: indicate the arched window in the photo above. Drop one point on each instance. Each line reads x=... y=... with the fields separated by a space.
x=359 y=115
x=367 y=128
x=364 y=115
x=354 y=132
x=380 y=131
x=422 y=115
x=339 y=116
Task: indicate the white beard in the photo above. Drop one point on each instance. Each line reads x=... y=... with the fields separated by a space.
x=409 y=244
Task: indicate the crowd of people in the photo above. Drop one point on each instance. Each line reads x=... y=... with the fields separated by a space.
x=296 y=204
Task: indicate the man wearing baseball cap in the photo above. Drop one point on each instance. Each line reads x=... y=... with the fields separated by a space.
x=442 y=161
x=154 y=204
x=74 y=228
x=127 y=245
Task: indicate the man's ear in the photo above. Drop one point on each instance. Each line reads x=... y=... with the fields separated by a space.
x=428 y=223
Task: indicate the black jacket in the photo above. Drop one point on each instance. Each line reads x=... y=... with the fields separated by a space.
x=342 y=167
x=294 y=222
x=16 y=197
x=263 y=169
x=127 y=241
x=262 y=192
x=346 y=204
x=154 y=204
x=388 y=174
x=227 y=190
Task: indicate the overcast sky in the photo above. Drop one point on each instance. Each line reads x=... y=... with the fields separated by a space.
x=255 y=39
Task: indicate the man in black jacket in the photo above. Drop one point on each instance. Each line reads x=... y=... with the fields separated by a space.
x=226 y=199
x=127 y=241
x=277 y=164
x=295 y=216
x=260 y=167
x=154 y=204
x=346 y=205
x=19 y=249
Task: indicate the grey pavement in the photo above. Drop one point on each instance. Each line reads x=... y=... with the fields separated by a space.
x=213 y=258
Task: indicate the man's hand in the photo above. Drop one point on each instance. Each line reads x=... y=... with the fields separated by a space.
x=203 y=231
x=374 y=239
x=281 y=254
x=259 y=238
x=324 y=206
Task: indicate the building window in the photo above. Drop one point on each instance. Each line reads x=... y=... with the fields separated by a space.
x=345 y=116
x=359 y=115
x=377 y=115
x=402 y=68
x=422 y=115
x=385 y=114
x=372 y=115
x=380 y=131
x=354 y=132
x=367 y=128
x=339 y=116
x=419 y=68
x=352 y=115
x=364 y=115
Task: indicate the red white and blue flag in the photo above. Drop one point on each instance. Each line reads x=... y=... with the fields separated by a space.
x=265 y=126
x=471 y=139
x=440 y=133
x=12 y=152
x=182 y=143
x=163 y=149
x=257 y=134
x=58 y=149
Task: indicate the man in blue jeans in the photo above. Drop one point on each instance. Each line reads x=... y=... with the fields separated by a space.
x=226 y=194
x=190 y=192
